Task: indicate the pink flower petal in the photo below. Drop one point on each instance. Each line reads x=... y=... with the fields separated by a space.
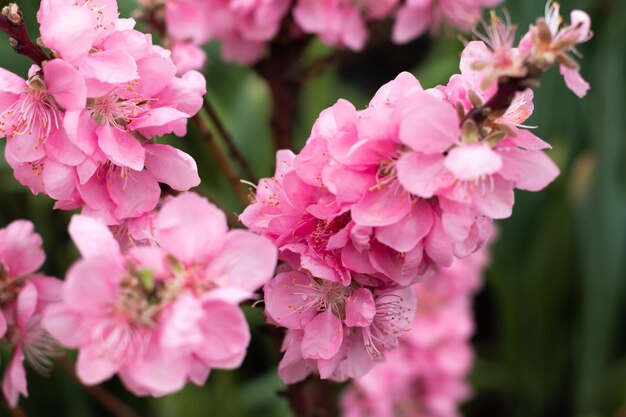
x=93 y=368
x=429 y=125
x=226 y=336
x=408 y=232
x=529 y=170
x=69 y=30
x=245 y=261
x=20 y=248
x=121 y=147
x=421 y=174
x=14 y=380
x=94 y=239
x=289 y=299
x=472 y=162
x=382 y=206
x=360 y=308
x=172 y=166
x=65 y=84
x=322 y=336
x=134 y=192
x=190 y=228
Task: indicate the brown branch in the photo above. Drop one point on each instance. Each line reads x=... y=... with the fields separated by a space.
x=221 y=160
x=12 y=22
x=279 y=69
x=14 y=411
x=229 y=141
x=508 y=87
x=318 y=67
x=312 y=398
x=99 y=393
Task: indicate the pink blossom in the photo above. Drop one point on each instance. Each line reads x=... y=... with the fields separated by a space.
x=341 y=22
x=339 y=331
x=418 y=16
x=425 y=375
x=24 y=298
x=82 y=129
x=164 y=313
x=243 y=27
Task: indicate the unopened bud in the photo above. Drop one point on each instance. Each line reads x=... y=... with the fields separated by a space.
x=13 y=13
x=543 y=31
x=469 y=132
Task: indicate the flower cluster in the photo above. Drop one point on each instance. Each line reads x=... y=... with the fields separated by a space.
x=164 y=312
x=546 y=43
x=245 y=27
x=81 y=128
x=425 y=376
x=24 y=295
x=242 y=27
x=380 y=198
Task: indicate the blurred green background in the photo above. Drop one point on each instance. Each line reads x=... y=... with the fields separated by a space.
x=551 y=338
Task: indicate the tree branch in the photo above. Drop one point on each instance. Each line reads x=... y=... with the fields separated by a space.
x=14 y=411
x=221 y=160
x=99 y=393
x=12 y=23
x=279 y=69
x=233 y=150
x=311 y=398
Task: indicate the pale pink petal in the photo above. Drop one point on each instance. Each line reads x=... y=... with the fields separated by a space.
x=111 y=67
x=401 y=268
x=496 y=201
x=61 y=149
x=322 y=336
x=155 y=72
x=92 y=285
x=172 y=166
x=411 y=22
x=190 y=228
x=574 y=81
x=156 y=373
x=20 y=248
x=59 y=180
x=160 y=121
x=429 y=125
x=289 y=299
x=14 y=380
x=69 y=30
x=180 y=324
x=529 y=170
x=134 y=192
x=438 y=245
x=65 y=84
x=62 y=323
x=422 y=175
x=11 y=87
x=26 y=305
x=472 y=162
x=94 y=239
x=360 y=308
x=121 y=147
x=245 y=261
x=382 y=206
x=93 y=368
x=405 y=234
x=293 y=367
x=27 y=147
x=226 y=336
